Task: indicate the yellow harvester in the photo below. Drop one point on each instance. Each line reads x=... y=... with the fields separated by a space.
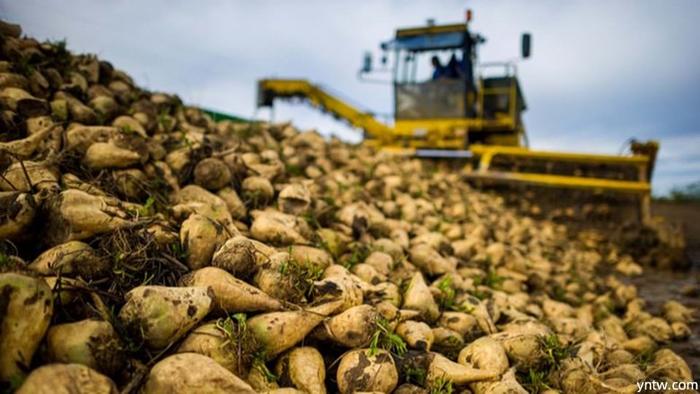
x=447 y=104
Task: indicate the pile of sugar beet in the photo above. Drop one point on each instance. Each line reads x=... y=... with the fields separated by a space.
x=146 y=248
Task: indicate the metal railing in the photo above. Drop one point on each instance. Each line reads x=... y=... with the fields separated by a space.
x=510 y=91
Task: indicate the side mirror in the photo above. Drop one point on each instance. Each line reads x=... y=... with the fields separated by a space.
x=366 y=63
x=525 y=42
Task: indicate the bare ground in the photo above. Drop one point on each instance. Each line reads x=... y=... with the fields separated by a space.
x=656 y=286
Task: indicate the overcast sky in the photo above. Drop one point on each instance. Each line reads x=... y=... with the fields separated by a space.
x=600 y=72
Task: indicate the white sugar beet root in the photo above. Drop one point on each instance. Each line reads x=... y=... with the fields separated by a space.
x=219 y=342
x=182 y=372
x=303 y=368
x=67 y=378
x=27 y=308
x=361 y=371
x=93 y=343
x=162 y=315
x=352 y=328
x=231 y=295
x=279 y=331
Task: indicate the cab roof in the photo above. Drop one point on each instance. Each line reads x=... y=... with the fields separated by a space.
x=428 y=38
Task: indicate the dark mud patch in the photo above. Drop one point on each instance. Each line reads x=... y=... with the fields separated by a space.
x=657 y=286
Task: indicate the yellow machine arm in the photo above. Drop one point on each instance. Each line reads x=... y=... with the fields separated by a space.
x=269 y=89
x=640 y=162
x=637 y=167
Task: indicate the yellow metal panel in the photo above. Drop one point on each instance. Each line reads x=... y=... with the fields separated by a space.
x=412 y=126
x=399 y=151
x=503 y=139
x=563 y=181
x=560 y=156
x=408 y=126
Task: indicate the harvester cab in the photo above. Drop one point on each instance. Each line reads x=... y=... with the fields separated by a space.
x=443 y=98
x=447 y=104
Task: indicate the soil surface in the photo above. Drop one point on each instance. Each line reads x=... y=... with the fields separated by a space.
x=656 y=285
x=688 y=215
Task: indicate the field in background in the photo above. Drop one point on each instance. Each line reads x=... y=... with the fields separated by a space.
x=657 y=286
x=688 y=214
